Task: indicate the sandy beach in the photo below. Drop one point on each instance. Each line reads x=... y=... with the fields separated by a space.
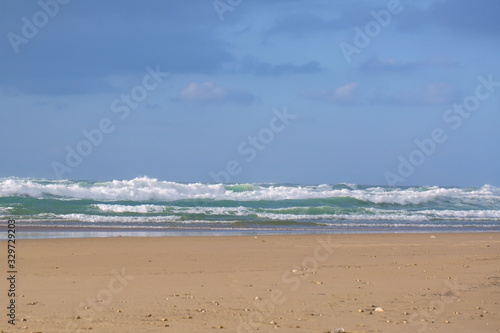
x=299 y=283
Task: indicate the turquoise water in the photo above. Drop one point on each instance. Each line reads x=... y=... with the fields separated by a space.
x=148 y=204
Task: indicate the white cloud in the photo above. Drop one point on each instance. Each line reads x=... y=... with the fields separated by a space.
x=346 y=94
x=209 y=92
x=199 y=92
x=392 y=65
x=432 y=94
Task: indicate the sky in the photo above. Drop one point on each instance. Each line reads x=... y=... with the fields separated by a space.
x=374 y=92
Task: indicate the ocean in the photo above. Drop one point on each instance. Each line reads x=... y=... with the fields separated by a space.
x=147 y=206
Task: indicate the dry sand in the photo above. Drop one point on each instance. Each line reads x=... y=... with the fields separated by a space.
x=306 y=283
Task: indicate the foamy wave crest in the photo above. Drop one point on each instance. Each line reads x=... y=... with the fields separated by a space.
x=149 y=189
x=108 y=219
x=420 y=195
x=372 y=214
x=5 y=209
x=229 y=211
x=142 y=209
x=463 y=215
x=336 y=217
x=138 y=189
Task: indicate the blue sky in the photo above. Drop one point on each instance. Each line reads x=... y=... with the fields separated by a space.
x=367 y=92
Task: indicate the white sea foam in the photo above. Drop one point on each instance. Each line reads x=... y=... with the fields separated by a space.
x=113 y=220
x=138 y=189
x=474 y=215
x=142 y=209
x=333 y=217
x=369 y=214
x=145 y=209
x=372 y=214
x=149 y=189
x=89 y=218
x=232 y=211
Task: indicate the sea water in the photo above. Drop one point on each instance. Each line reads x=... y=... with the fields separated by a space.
x=150 y=206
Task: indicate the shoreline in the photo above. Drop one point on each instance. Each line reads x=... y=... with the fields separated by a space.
x=300 y=283
x=55 y=232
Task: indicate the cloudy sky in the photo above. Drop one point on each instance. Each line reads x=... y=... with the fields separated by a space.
x=317 y=91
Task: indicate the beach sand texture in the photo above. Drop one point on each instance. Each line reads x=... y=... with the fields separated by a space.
x=294 y=283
